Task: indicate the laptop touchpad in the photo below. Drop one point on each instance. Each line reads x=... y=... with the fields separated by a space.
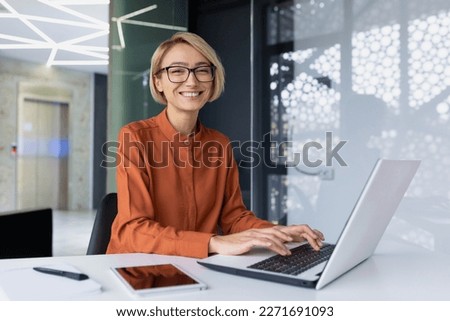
x=313 y=273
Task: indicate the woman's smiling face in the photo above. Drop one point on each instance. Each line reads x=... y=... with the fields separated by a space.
x=188 y=96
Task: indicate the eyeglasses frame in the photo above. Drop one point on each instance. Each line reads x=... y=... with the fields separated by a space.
x=213 y=69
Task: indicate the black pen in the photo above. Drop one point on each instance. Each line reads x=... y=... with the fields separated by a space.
x=66 y=274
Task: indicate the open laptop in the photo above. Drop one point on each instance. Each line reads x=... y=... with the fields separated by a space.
x=373 y=211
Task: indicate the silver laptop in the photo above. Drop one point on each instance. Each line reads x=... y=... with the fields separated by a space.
x=372 y=213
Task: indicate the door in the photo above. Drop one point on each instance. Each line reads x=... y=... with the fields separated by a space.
x=42 y=154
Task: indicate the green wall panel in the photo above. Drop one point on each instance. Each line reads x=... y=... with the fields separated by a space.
x=137 y=27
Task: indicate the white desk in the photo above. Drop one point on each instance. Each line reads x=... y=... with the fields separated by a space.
x=397 y=271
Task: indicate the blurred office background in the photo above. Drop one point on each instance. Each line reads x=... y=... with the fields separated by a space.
x=374 y=74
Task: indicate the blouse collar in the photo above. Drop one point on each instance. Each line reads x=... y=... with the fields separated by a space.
x=172 y=134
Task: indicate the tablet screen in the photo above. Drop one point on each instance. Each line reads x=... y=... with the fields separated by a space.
x=155 y=277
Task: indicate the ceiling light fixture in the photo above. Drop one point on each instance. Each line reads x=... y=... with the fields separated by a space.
x=122 y=19
x=126 y=19
x=94 y=29
x=74 y=13
x=80 y=63
x=55 y=21
x=15 y=14
x=79 y=2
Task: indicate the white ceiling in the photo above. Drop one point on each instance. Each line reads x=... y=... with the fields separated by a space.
x=66 y=33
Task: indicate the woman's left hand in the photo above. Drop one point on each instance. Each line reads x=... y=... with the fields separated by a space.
x=301 y=233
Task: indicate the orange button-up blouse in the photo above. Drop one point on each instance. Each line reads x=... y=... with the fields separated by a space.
x=175 y=192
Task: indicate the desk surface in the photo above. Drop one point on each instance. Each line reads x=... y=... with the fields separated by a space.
x=397 y=271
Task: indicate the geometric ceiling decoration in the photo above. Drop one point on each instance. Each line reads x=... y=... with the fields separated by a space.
x=126 y=19
x=71 y=33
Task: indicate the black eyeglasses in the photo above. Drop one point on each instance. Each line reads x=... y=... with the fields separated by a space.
x=178 y=74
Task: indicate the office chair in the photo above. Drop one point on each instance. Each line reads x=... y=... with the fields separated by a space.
x=101 y=231
x=26 y=233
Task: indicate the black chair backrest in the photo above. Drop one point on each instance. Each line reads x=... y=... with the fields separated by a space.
x=26 y=233
x=101 y=231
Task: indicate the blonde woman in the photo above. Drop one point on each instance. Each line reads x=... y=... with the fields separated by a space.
x=177 y=181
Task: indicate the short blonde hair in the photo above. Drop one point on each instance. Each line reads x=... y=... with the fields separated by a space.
x=201 y=46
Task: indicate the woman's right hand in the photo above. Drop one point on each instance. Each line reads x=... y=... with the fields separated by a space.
x=273 y=238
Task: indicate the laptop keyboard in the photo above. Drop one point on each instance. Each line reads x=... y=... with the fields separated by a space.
x=303 y=257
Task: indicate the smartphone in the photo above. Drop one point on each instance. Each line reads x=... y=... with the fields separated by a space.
x=148 y=279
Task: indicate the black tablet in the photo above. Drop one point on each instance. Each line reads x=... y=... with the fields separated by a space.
x=148 y=279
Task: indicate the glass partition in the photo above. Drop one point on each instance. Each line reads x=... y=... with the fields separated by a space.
x=349 y=82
